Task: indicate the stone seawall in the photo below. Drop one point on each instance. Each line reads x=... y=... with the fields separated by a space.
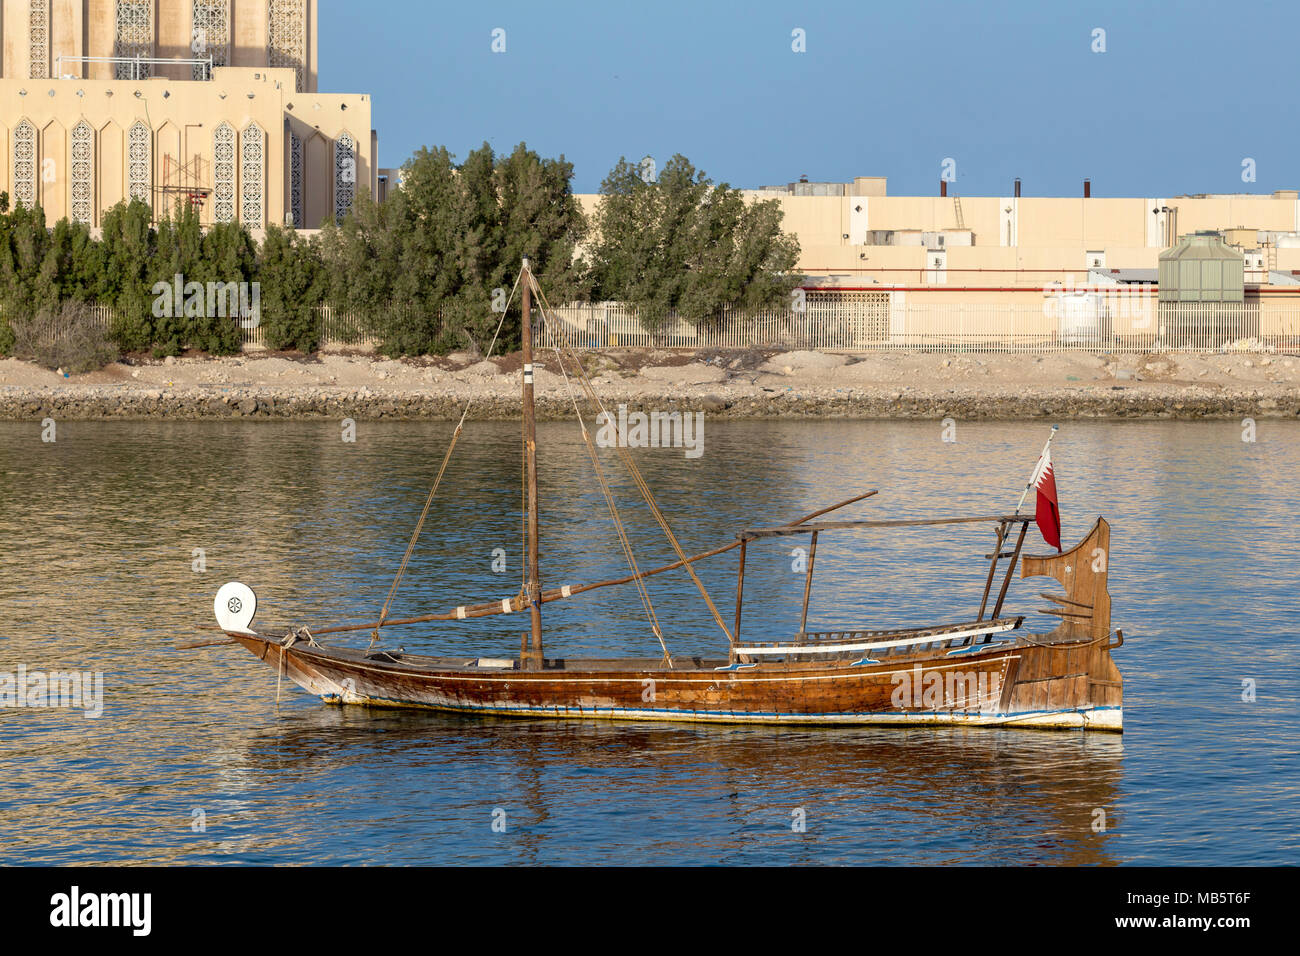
x=265 y=403
x=726 y=385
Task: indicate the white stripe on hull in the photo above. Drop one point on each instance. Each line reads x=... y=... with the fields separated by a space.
x=781 y=650
x=1097 y=718
x=334 y=692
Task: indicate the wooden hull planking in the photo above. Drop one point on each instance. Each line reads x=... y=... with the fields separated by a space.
x=1006 y=685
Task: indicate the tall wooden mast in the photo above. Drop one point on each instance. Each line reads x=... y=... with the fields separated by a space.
x=533 y=659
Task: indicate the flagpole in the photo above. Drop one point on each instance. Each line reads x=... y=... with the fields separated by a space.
x=1046 y=449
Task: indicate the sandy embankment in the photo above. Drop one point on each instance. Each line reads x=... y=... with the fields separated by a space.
x=747 y=384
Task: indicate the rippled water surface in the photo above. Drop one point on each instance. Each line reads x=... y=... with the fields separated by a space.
x=98 y=533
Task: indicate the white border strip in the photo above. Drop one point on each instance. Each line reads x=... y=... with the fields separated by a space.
x=785 y=649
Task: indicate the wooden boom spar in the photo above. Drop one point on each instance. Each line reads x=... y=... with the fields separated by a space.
x=754 y=533
x=491 y=608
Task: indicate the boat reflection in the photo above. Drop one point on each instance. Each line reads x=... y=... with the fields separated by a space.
x=867 y=795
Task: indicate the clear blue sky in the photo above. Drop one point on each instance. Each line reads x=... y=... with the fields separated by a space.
x=1184 y=92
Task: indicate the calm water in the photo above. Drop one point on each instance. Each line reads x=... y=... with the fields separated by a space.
x=97 y=539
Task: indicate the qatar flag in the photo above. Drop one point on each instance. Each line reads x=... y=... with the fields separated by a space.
x=1046 y=512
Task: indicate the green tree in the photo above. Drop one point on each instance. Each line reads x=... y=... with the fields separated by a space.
x=28 y=274
x=129 y=243
x=681 y=244
x=178 y=252
x=229 y=258
x=426 y=265
x=293 y=284
x=419 y=237
x=477 y=256
x=541 y=218
x=363 y=263
x=77 y=261
x=7 y=277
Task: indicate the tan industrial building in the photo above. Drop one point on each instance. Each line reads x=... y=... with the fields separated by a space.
x=953 y=248
x=856 y=234
x=1051 y=270
x=208 y=102
x=1034 y=272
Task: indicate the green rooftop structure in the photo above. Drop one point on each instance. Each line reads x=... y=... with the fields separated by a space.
x=1202 y=268
x=1202 y=299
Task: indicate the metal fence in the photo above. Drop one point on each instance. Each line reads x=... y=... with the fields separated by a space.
x=857 y=326
x=877 y=322
x=337 y=329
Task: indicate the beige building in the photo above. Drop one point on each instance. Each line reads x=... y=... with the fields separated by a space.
x=208 y=102
x=990 y=248
x=1021 y=273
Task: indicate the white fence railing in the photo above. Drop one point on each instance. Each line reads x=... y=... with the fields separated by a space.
x=337 y=329
x=873 y=322
x=865 y=327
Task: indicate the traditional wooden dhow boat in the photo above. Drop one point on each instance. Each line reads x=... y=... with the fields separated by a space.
x=982 y=671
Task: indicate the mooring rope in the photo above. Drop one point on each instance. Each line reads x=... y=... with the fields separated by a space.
x=279 y=674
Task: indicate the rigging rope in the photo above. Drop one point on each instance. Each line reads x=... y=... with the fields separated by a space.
x=556 y=594
x=523 y=510
x=642 y=591
x=455 y=436
x=560 y=337
x=544 y=309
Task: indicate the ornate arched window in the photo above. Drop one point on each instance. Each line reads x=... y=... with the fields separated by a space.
x=223 y=173
x=296 y=180
x=252 y=167
x=24 y=164
x=38 y=35
x=133 y=36
x=345 y=175
x=139 y=163
x=211 y=35
x=82 y=180
x=286 y=37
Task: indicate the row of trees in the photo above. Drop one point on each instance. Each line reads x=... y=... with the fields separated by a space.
x=423 y=268
x=42 y=270
x=443 y=244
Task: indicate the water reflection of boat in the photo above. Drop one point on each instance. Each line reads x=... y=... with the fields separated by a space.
x=985 y=671
x=870 y=795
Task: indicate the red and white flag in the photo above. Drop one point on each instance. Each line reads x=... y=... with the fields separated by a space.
x=1046 y=513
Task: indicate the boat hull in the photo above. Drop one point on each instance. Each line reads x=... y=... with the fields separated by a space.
x=1011 y=684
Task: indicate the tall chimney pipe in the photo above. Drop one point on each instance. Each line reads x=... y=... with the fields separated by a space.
x=943 y=187
x=1087 y=189
x=1017 y=187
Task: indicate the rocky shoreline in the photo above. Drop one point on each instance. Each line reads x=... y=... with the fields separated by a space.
x=747 y=386
x=1163 y=403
